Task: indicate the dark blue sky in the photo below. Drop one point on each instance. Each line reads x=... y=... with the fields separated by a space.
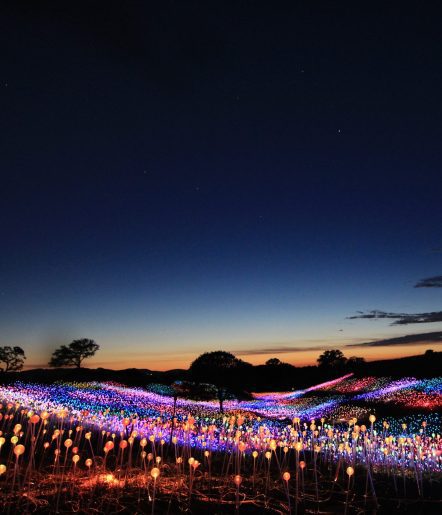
x=187 y=177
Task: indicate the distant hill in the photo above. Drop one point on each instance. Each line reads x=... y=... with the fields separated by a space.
x=129 y=376
x=422 y=366
x=258 y=378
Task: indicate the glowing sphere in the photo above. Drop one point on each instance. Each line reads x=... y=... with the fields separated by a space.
x=109 y=445
x=75 y=458
x=302 y=465
x=68 y=443
x=350 y=471
x=88 y=462
x=19 y=450
x=35 y=419
x=286 y=476
x=372 y=418
x=255 y=454
x=237 y=480
x=2 y=469
x=155 y=472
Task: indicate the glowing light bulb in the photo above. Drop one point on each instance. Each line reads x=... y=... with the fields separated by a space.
x=155 y=472
x=19 y=450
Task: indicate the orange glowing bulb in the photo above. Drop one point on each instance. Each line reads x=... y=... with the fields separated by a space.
x=19 y=450
x=286 y=476
x=155 y=472
x=109 y=445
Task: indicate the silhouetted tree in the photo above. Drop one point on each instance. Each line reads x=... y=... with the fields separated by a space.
x=355 y=363
x=13 y=358
x=429 y=353
x=74 y=354
x=332 y=359
x=222 y=369
x=273 y=362
x=276 y=374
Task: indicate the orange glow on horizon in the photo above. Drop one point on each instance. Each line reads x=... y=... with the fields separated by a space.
x=298 y=359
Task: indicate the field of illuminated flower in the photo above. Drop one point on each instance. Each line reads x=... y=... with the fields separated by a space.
x=348 y=445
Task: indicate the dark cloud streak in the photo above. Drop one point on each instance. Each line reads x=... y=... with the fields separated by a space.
x=410 y=339
x=401 y=318
x=430 y=282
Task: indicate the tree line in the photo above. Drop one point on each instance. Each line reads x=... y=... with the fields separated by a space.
x=208 y=365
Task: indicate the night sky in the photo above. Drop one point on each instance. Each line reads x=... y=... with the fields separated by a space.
x=197 y=176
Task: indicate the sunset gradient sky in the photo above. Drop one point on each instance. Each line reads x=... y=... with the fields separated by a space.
x=181 y=178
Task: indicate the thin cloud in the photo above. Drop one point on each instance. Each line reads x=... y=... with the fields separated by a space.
x=430 y=282
x=401 y=318
x=409 y=339
x=276 y=350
